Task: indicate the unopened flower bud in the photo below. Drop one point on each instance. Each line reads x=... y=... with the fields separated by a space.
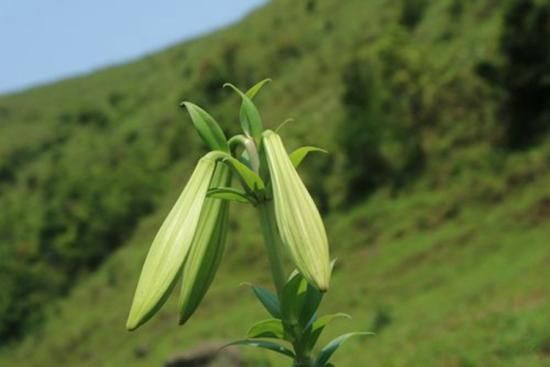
x=298 y=219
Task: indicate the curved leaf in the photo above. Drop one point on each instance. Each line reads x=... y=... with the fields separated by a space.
x=251 y=93
x=264 y=345
x=313 y=333
x=312 y=300
x=251 y=122
x=270 y=328
x=268 y=300
x=331 y=347
x=283 y=124
x=251 y=181
x=298 y=155
x=209 y=130
x=229 y=193
x=292 y=298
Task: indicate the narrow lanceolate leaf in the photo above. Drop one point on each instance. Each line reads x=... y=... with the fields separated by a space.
x=229 y=193
x=270 y=328
x=171 y=244
x=297 y=156
x=313 y=333
x=251 y=93
x=312 y=300
x=207 y=248
x=208 y=129
x=250 y=179
x=298 y=219
x=283 y=124
x=251 y=122
x=330 y=348
x=275 y=347
x=268 y=300
x=292 y=298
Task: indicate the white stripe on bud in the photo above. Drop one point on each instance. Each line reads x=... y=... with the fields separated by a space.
x=207 y=248
x=298 y=220
x=171 y=245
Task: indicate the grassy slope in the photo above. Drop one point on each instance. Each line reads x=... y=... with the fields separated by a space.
x=456 y=263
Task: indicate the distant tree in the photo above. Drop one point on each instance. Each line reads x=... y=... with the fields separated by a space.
x=377 y=135
x=412 y=12
x=360 y=133
x=524 y=75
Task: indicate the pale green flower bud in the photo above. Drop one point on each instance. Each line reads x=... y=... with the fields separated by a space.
x=207 y=248
x=298 y=220
x=171 y=245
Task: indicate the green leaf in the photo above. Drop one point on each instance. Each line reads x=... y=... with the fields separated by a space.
x=171 y=245
x=270 y=328
x=283 y=124
x=313 y=332
x=293 y=296
x=251 y=93
x=264 y=345
x=268 y=300
x=207 y=248
x=251 y=122
x=251 y=181
x=297 y=156
x=209 y=130
x=229 y=193
x=312 y=300
x=331 y=347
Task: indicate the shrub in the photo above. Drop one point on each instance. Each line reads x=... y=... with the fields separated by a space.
x=92 y=116
x=412 y=12
x=377 y=134
x=524 y=75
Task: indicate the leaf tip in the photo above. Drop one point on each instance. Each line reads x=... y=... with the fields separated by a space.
x=232 y=86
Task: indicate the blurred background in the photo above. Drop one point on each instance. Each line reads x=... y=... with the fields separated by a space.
x=436 y=191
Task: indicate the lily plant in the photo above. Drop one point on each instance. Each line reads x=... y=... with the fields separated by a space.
x=190 y=243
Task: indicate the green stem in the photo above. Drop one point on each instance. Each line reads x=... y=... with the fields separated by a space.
x=273 y=244
x=302 y=364
x=249 y=146
x=302 y=360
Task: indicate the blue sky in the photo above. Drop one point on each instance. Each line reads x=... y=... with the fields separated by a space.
x=42 y=41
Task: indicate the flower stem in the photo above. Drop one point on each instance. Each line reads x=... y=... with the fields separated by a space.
x=273 y=244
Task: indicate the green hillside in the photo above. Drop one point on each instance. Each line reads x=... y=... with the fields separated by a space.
x=436 y=191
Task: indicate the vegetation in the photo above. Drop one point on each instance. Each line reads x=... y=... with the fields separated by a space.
x=443 y=249
x=381 y=144
x=524 y=73
x=191 y=241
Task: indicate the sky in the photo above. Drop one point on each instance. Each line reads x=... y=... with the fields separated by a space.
x=43 y=41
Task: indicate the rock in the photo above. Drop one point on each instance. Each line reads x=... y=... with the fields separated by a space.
x=206 y=355
x=141 y=351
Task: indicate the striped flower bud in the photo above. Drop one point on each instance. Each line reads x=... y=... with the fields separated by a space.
x=298 y=220
x=171 y=245
x=207 y=248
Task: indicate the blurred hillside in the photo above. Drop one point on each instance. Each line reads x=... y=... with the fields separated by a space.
x=436 y=190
